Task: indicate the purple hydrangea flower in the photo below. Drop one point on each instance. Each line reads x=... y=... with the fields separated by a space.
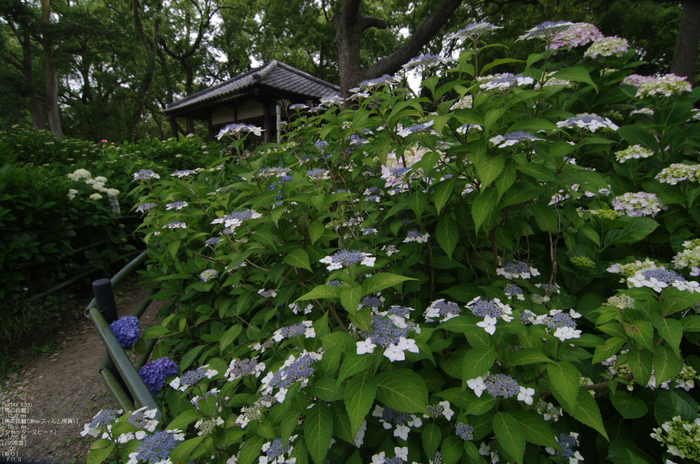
x=156 y=372
x=127 y=331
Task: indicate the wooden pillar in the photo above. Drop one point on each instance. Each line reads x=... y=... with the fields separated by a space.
x=268 y=122
x=210 y=125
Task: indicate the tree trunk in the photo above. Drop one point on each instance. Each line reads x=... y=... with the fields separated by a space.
x=51 y=75
x=34 y=101
x=685 y=57
x=349 y=25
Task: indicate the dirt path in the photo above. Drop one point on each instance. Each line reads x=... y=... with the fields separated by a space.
x=64 y=387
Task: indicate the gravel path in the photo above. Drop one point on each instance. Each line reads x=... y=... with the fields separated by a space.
x=65 y=389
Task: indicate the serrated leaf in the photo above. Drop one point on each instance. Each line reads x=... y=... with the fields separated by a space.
x=354 y=363
x=403 y=390
x=229 y=336
x=606 y=351
x=488 y=168
x=183 y=451
x=350 y=298
x=188 y=358
x=431 y=438
x=321 y=292
x=318 y=431
x=642 y=332
x=640 y=365
x=477 y=361
x=155 y=332
x=588 y=413
x=505 y=180
x=328 y=390
x=443 y=192
x=250 y=450
x=316 y=230
x=447 y=234
x=289 y=423
x=510 y=435
x=536 y=429
x=638 y=229
x=484 y=204
x=528 y=356
x=667 y=364
x=565 y=379
x=451 y=450
x=97 y=456
x=577 y=74
x=418 y=201
x=670 y=329
x=359 y=397
x=628 y=404
x=670 y=404
x=381 y=281
x=298 y=257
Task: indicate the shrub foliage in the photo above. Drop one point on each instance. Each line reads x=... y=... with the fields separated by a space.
x=498 y=269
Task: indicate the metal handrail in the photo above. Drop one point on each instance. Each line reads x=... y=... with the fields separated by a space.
x=137 y=388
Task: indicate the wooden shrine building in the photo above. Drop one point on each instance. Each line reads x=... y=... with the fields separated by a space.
x=252 y=98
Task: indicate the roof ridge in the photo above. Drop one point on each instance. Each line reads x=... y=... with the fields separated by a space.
x=307 y=75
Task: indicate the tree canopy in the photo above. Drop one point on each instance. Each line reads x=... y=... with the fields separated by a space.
x=104 y=69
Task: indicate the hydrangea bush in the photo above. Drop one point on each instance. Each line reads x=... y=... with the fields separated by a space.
x=433 y=279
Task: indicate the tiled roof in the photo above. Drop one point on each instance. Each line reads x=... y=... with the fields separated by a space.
x=273 y=74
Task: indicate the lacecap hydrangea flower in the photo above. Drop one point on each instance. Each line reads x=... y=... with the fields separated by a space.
x=608 y=46
x=575 y=35
x=633 y=152
x=513 y=138
x=191 y=377
x=126 y=330
x=401 y=422
x=100 y=421
x=636 y=204
x=156 y=372
x=145 y=174
x=588 y=121
x=679 y=172
x=690 y=256
x=239 y=368
x=503 y=81
x=667 y=85
x=474 y=31
x=546 y=30
x=681 y=437
x=517 y=269
x=156 y=448
x=345 y=258
x=294 y=369
x=660 y=278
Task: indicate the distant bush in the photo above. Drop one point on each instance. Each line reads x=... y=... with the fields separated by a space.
x=65 y=214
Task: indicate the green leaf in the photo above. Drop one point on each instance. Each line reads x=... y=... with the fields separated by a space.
x=443 y=192
x=451 y=450
x=528 y=356
x=670 y=329
x=403 y=390
x=431 y=438
x=354 y=363
x=640 y=365
x=488 y=168
x=350 y=298
x=184 y=419
x=546 y=217
x=539 y=172
x=565 y=379
x=97 y=456
x=447 y=234
x=510 y=435
x=637 y=230
x=183 y=451
x=418 y=201
x=477 y=361
x=484 y=204
x=341 y=424
x=481 y=405
x=318 y=431
x=298 y=257
x=536 y=429
x=505 y=180
x=229 y=336
x=671 y=403
x=642 y=332
x=189 y=357
x=606 y=351
x=577 y=74
x=316 y=230
x=321 y=292
x=691 y=323
x=588 y=413
x=629 y=405
x=289 y=423
x=155 y=332
x=667 y=364
x=381 y=281
x=328 y=390
x=359 y=397
x=250 y=450
x=636 y=135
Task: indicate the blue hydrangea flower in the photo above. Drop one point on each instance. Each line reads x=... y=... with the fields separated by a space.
x=145 y=174
x=156 y=448
x=127 y=331
x=464 y=431
x=156 y=372
x=502 y=385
